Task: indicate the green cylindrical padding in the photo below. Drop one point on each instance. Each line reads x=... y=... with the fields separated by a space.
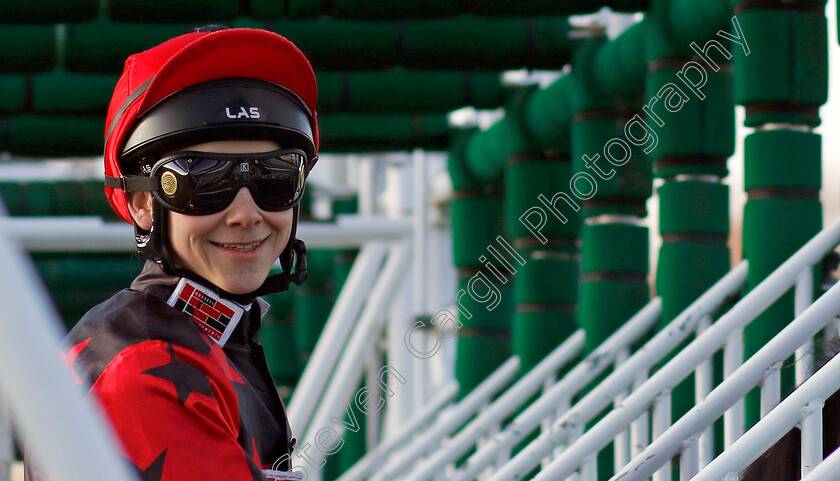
x=12 y=93
x=373 y=9
x=368 y=132
x=95 y=202
x=548 y=116
x=614 y=248
x=476 y=357
x=488 y=44
x=476 y=222
x=685 y=270
x=103 y=46
x=693 y=206
x=782 y=158
x=44 y=136
x=527 y=180
x=537 y=333
x=277 y=339
x=586 y=93
x=774 y=229
x=68 y=92
x=487 y=152
x=48 y=11
x=547 y=278
x=159 y=11
x=399 y=91
x=607 y=305
x=27 y=48
x=67 y=197
x=691 y=126
x=11 y=194
x=462 y=179
x=38 y=195
x=788 y=60
x=620 y=67
x=489 y=303
x=319 y=267
x=696 y=20
x=311 y=312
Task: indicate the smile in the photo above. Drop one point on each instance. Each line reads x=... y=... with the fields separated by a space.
x=239 y=247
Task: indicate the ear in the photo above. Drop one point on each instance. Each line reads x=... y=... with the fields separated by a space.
x=140 y=206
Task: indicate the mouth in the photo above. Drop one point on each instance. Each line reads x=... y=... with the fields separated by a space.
x=239 y=246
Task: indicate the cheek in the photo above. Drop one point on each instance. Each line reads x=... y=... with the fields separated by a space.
x=281 y=222
x=185 y=230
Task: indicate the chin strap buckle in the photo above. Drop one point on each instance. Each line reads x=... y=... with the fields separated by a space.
x=299 y=275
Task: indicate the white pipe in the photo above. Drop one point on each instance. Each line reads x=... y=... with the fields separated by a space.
x=826 y=470
x=66 y=435
x=345 y=379
x=803 y=297
x=374 y=459
x=679 y=367
x=7 y=449
x=734 y=387
x=811 y=436
x=507 y=403
x=336 y=331
x=641 y=362
x=770 y=429
x=452 y=419
x=92 y=234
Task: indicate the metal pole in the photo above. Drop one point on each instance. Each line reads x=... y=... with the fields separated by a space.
x=7 y=450
x=68 y=439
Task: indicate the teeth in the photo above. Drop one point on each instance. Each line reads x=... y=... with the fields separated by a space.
x=240 y=248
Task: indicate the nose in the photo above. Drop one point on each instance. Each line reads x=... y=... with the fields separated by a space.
x=243 y=211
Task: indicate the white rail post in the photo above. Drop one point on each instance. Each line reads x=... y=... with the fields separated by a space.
x=7 y=449
x=639 y=429
x=803 y=297
x=621 y=443
x=734 y=417
x=689 y=458
x=812 y=436
x=661 y=423
x=703 y=385
x=771 y=388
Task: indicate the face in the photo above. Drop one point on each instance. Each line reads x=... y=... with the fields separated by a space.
x=235 y=248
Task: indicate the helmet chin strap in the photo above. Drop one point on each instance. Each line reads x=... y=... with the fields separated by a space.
x=153 y=245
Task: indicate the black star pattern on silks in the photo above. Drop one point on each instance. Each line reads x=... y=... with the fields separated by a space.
x=185 y=377
x=154 y=472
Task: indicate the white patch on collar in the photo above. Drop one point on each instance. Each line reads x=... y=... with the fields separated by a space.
x=215 y=316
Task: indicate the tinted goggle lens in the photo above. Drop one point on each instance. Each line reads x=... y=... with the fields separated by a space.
x=198 y=183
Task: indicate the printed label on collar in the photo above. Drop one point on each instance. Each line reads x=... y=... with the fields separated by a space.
x=215 y=316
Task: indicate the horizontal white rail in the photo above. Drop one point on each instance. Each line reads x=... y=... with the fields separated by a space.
x=736 y=386
x=63 y=431
x=92 y=234
x=453 y=418
x=575 y=380
x=688 y=359
x=502 y=407
x=566 y=430
x=335 y=333
x=373 y=460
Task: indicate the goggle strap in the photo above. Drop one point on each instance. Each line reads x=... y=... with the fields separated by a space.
x=132 y=183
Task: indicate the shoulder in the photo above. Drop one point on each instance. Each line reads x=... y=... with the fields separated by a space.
x=123 y=322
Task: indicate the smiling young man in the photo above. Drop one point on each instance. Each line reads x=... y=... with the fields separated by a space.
x=209 y=138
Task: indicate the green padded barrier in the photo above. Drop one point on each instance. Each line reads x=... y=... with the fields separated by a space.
x=12 y=93
x=503 y=139
x=11 y=193
x=313 y=301
x=36 y=196
x=497 y=306
x=48 y=11
x=375 y=133
x=462 y=179
x=102 y=46
x=30 y=135
x=478 y=221
x=699 y=19
x=618 y=66
x=777 y=158
x=619 y=248
x=95 y=202
x=693 y=206
x=547 y=278
x=399 y=90
x=67 y=197
x=277 y=338
x=537 y=333
x=77 y=282
x=69 y=92
x=694 y=130
x=606 y=305
x=27 y=48
x=548 y=116
x=161 y=11
x=477 y=355
x=685 y=271
x=787 y=65
x=524 y=181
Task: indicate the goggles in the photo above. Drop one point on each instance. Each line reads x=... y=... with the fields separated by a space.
x=201 y=183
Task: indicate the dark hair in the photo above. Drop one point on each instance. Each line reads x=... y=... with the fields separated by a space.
x=213 y=27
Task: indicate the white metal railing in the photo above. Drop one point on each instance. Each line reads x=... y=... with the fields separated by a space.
x=803 y=408
x=725 y=333
x=68 y=438
x=631 y=374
